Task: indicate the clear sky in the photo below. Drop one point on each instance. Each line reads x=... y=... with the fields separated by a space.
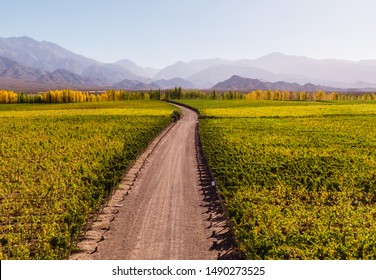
x=160 y=32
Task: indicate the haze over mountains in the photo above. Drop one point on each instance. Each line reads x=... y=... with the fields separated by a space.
x=28 y=64
x=247 y=84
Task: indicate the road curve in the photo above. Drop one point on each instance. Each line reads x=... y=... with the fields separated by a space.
x=163 y=215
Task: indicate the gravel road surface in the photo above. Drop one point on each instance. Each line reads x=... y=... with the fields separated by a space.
x=162 y=214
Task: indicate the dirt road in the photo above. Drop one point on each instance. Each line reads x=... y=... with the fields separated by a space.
x=163 y=214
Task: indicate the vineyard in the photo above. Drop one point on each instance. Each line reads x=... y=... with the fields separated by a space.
x=57 y=164
x=298 y=178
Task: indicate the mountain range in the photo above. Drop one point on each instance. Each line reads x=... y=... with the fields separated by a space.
x=27 y=64
x=246 y=84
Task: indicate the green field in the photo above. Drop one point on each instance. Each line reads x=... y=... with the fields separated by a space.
x=57 y=163
x=298 y=178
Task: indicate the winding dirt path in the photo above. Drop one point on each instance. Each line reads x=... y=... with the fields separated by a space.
x=161 y=211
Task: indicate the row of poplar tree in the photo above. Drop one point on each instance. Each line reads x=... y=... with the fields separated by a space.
x=72 y=96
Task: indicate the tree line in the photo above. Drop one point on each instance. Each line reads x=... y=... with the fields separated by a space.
x=73 y=96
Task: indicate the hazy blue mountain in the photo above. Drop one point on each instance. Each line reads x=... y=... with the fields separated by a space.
x=111 y=73
x=202 y=64
x=331 y=72
x=15 y=70
x=175 y=82
x=134 y=68
x=183 y=70
x=177 y=70
x=247 y=84
x=43 y=55
x=214 y=74
x=15 y=76
x=274 y=62
x=63 y=76
x=276 y=67
x=25 y=59
x=135 y=85
x=50 y=57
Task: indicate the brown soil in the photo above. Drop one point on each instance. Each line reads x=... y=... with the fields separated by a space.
x=162 y=209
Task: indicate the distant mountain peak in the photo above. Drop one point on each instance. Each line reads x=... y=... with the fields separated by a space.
x=136 y=85
x=177 y=70
x=274 y=54
x=43 y=55
x=134 y=68
x=247 y=84
x=30 y=59
x=175 y=82
x=24 y=37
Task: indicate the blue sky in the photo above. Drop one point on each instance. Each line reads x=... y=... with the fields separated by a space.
x=160 y=32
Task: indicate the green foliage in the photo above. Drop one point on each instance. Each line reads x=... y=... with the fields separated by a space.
x=299 y=181
x=58 y=163
x=176 y=115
